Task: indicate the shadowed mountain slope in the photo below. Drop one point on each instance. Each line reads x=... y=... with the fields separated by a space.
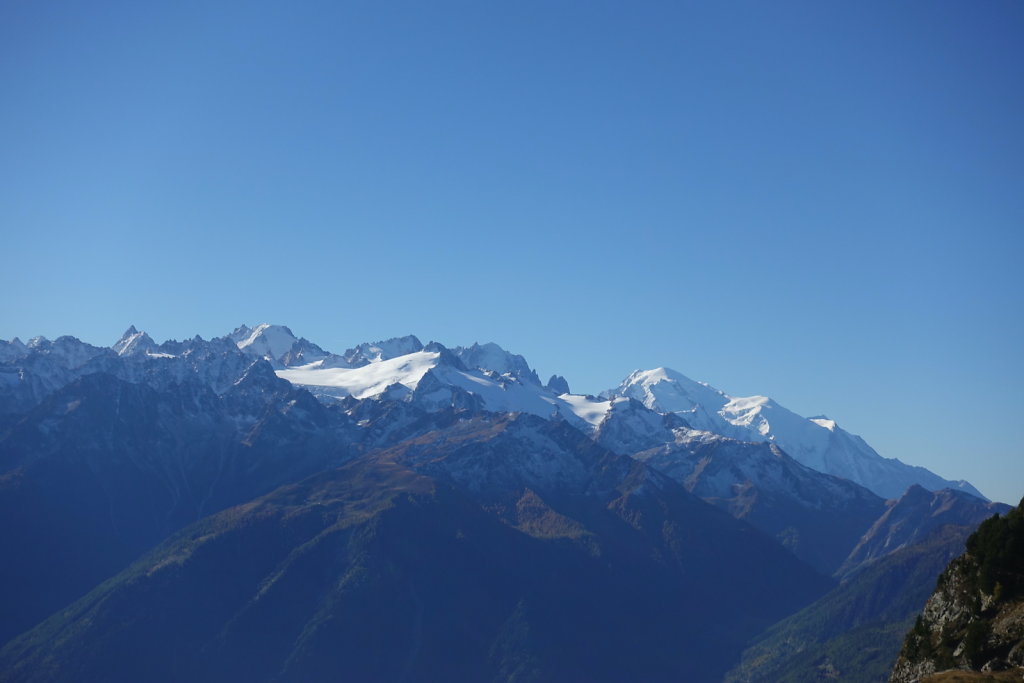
x=570 y=564
x=817 y=516
x=853 y=632
x=103 y=470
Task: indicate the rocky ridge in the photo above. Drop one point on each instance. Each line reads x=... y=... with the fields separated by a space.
x=974 y=621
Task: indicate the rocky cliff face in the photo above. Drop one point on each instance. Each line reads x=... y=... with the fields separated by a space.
x=974 y=621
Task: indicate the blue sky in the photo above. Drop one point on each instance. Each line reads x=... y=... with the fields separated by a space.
x=821 y=202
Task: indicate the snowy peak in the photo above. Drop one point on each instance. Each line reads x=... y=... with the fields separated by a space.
x=748 y=418
x=267 y=340
x=375 y=352
x=277 y=344
x=492 y=357
x=627 y=427
x=133 y=342
x=668 y=391
x=824 y=422
x=436 y=378
x=664 y=390
x=240 y=333
x=817 y=442
x=66 y=351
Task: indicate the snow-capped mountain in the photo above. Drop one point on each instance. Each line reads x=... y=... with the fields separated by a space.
x=490 y=378
x=277 y=344
x=628 y=419
x=504 y=382
x=133 y=342
x=816 y=442
x=492 y=357
x=431 y=375
x=30 y=372
x=374 y=352
x=43 y=366
x=118 y=447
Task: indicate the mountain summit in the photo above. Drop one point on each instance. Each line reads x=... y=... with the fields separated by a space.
x=504 y=382
x=816 y=442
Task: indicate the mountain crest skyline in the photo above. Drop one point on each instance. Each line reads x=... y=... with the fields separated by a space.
x=502 y=381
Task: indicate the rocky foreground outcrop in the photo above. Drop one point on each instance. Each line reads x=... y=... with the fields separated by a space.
x=972 y=627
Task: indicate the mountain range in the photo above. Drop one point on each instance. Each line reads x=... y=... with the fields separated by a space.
x=504 y=382
x=254 y=500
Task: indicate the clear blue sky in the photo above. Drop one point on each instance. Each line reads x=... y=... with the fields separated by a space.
x=818 y=201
